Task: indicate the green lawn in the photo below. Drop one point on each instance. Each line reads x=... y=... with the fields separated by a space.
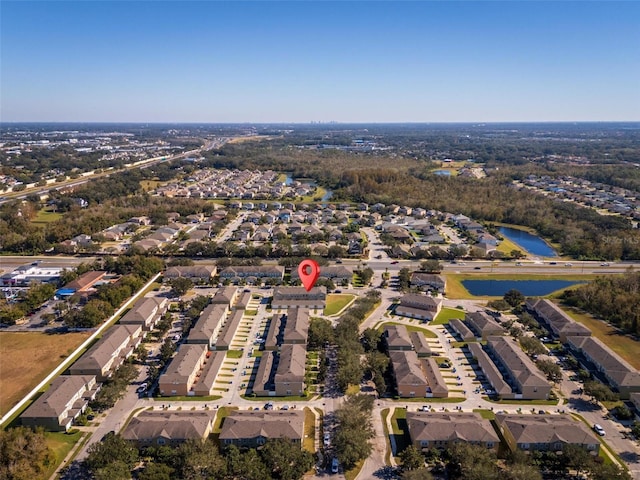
x=308 y=442
x=336 y=302
x=43 y=217
x=410 y=328
x=61 y=444
x=234 y=354
x=447 y=314
x=486 y=414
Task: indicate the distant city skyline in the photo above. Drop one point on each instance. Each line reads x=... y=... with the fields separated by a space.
x=322 y=61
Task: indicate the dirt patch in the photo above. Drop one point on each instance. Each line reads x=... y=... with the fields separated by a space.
x=27 y=358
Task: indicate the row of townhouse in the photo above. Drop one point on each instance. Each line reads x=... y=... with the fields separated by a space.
x=510 y=371
x=282 y=366
x=198 y=273
x=236 y=274
x=618 y=373
x=68 y=395
x=397 y=337
x=291 y=297
x=476 y=326
x=422 y=307
x=428 y=282
x=195 y=367
x=528 y=433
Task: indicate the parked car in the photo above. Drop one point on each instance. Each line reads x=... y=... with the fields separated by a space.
x=334 y=465
x=604 y=264
x=327 y=439
x=599 y=430
x=142 y=387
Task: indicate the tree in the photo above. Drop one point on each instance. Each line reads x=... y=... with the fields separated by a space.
x=550 y=369
x=286 y=460
x=418 y=474
x=24 y=454
x=247 y=465
x=112 y=449
x=532 y=345
x=117 y=470
x=599 y=392
x=156 y=471
x=166 y=350
x=180 y=286
x=370 y=339
x=431 y=266
x=412 y=458
x=471 y=462
x=199 y=460
x=513 y=297
x=320 y=332
x=522 y=471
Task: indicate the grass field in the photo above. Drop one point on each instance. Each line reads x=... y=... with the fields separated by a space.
x=27 y=358
x=455 y=289
x=624 y=346
x=148 y=185
x=309 y=441
x=234 y=353
x=61 y=444
x=447 y=314
x=43 y=217
x=336 y=302
x=410 y=328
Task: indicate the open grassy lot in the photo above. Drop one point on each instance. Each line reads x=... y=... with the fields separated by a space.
x=337 y=301
x=455 y=289
x=410 y=328
x=43 y=217
x=309 y=441
x=148 y=185
x=624 y=346
x=447 y=314
x=27 y=358
x=61 y=444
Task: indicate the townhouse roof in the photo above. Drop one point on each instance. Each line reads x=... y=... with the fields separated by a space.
x=419 y=278
x=228 y=330
x=397 y=337
x=86 y=280
x=521 y=366
x=291 y=364
x=413 y=300
x=225 y=295
x=55 y=401
x=420 y=344
x=615 y=367
x=198 y=271
x=143 y=309
x=104 y=349
x=484 y=324
x=461 y=328
x=255 y=271
x=183 y=364
x=243 y=424
x=208 y=323
x=296 y=328
x=172 y=425
x=546 y=429
x=407 y=368
x=556 y=318
x=490 y=370
x=450 y=427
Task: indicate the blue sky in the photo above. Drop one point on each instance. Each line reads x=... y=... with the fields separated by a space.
x=163 y=61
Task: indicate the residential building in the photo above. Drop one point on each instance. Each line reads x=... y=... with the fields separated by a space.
x=337 y=274
x=108 y=353
x=545 y=432
x=210 y=369
x=206 y=329
x=253 y=428
x=420 y=344
x=168 y=428
x=483 y=325
x=64 y=401
x=289 y=297
x=422 y=307
x=443 y=430
x=228 y=330
x=428 y=281
x=146 y=312
x=556 y=320
x=618 y=372
x=296 y=328
x=289 y=376
x=416 y=377
x=182 y=372
x=237 y=273
x=202 y=273
x=397 y=338
x=461 y=329
x=225 y=296
x=85 y=281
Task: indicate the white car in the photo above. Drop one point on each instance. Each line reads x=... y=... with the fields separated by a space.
x=327 y=439
x=599 y=430
x=142 y=387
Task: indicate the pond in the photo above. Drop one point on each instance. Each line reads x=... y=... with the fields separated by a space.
x=529 y=288
x=327 y=195
x=446 y=173
x=531 y=243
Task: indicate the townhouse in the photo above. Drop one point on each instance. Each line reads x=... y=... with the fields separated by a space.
x=182 y=373
x=428 y=281
x=253 y=428
x=417 y=377
x=555 y=320
x=545 y=432
x=290 y=297
x=202 y=273
x=206 y=329
x=146 y=312
x=168 y=428
x=289 y=376
x=422 y=307
x=253 y=273
x=483 y=325
x=514 y=366
x=64 y=401
x=463 y=332
x=108 y=353
x=443 y=430
x=618 y=373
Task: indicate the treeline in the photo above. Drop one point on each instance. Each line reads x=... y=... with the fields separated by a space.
x=114 y=459
x=24 y=454
x=615 y=299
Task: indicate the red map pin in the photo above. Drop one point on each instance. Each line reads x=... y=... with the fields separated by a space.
x=309 y=272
